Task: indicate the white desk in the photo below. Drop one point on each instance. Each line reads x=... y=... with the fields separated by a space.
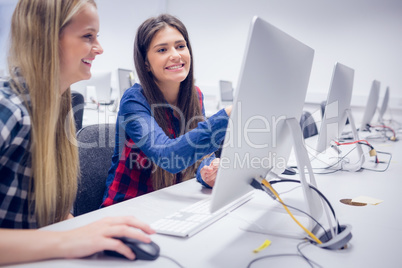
x=376 y=229
x=105 y=114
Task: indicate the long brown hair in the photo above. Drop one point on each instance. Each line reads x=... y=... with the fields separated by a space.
x=188 y=102
x=34 y=52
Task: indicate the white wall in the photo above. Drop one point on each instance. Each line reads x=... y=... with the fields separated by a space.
x=6 y=10
x=363 y=34
x=119 y=20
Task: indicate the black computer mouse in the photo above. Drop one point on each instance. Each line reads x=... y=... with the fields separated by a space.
x=142 y=250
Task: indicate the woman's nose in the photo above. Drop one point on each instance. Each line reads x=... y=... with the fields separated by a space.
x=97 y=48
x=175 y=55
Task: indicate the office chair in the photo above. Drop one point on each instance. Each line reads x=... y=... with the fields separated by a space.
x=95 y=146
x=77 y=102
x=308 y=125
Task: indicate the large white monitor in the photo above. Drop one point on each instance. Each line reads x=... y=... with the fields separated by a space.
x=269 y=98
x=96 y=89
x=383 y=107
x=371 y=106
x=337 y=106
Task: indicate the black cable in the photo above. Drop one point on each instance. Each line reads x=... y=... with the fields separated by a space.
x=340 y=159
x=383 y=170
x=280 y=255
x=316 y=190
x=304 y=256
x=311 y=217
x=300 y=254
x=171 y=259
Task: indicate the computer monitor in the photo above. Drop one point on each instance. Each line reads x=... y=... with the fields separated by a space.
x=383 y=107
x=226 y=89
x=96 y=89
x=270 y=96
x=126 y=80
x=371 y=106
x=337 y=106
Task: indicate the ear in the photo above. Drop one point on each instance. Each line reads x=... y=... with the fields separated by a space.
x=147 y=66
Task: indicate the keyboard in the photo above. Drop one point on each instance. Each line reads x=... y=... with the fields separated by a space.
x=194 y=218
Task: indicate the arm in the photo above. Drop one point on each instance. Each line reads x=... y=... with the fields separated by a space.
x=142 y=128
x=22 y=245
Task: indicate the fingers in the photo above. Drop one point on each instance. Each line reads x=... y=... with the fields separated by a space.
x=130 y=221
x=118 y=246
x=126 y=227
x=208 y=174
x=215 y=162
x=123 y=230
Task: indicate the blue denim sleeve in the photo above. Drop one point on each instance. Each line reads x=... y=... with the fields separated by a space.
x=173 y=155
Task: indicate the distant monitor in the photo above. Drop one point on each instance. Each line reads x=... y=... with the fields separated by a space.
x=371 y=106
x=226 y=89
x=126 y=80
x=270 y=96
x=337 y=106
x=97 y=89
x=383 y=107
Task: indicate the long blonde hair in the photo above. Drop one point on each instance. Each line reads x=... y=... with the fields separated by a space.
x=34 y=52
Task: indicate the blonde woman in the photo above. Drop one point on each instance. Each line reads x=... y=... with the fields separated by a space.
x=53 y=44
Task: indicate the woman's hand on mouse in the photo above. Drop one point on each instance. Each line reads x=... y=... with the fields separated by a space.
x=98 y=236
x=208 y=173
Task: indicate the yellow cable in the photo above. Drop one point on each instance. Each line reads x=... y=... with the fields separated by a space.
x=267 y=184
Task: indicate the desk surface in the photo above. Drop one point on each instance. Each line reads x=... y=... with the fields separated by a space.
x=376 y=230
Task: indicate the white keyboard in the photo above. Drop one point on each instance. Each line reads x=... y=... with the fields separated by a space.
x=193 y=218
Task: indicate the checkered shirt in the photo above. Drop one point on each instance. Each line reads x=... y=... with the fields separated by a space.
x=15 y=166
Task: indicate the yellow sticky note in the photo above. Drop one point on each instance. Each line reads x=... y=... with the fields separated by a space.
x=263 y=246
x=367 y=200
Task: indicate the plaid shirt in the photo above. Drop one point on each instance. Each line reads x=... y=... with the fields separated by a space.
x=140 y=142
x=15 y=166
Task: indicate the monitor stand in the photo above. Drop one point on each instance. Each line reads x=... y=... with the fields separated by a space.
x=314 y=205
x=358 y=165
x=312 y=202
x=335 y=160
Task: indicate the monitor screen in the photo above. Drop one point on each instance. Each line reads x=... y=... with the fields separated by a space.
x=337 y=104
x=226 y=90
x=272 y=88
x=371 y=106
x=97 y=88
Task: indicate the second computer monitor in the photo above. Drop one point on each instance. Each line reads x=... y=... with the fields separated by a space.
x=371 y=106
x=96 y=89
x=272 y=88
x=125 y=80
x=383 y=107
x=226 y=90
x=336 y=107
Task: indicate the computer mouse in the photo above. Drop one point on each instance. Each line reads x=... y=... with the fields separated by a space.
x=142 y=250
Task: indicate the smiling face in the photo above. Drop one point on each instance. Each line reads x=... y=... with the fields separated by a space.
x=78 y=47
x=168 y=58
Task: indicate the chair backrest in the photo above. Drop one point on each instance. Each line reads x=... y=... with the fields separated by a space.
x=308 y=125
x=77 y=102
x=96 y=146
